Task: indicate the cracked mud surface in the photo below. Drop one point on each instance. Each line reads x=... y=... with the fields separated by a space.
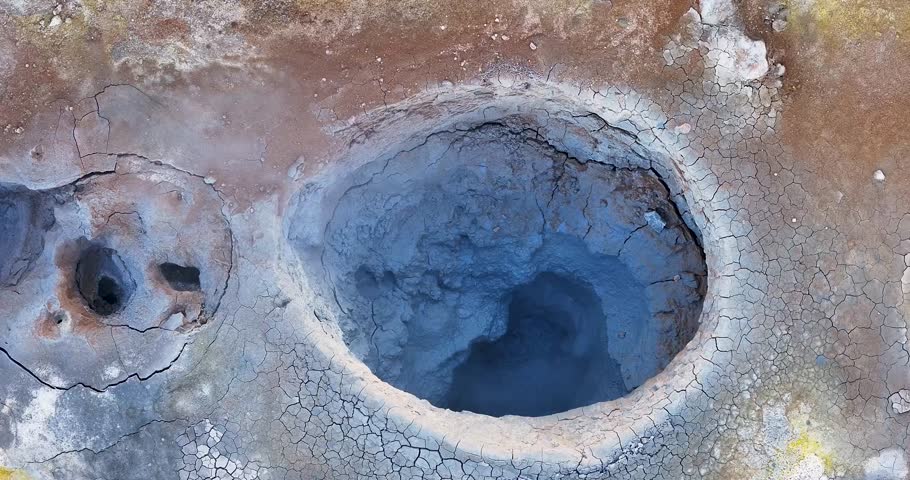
x=135 y=135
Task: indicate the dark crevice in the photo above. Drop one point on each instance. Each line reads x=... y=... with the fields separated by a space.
x=137 y=376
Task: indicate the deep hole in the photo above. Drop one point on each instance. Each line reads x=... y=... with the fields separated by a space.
x=109 y=291
x=553 y=356
x=103 y=280
x=180 y=278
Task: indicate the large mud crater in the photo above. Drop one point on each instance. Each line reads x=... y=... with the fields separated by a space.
x=487 y=269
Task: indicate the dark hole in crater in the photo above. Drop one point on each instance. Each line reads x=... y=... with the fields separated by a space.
x=180 y=278
x=551 y=358
x=103 y=280
x=109 y=291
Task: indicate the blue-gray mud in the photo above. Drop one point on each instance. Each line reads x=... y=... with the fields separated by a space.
x=24 y=216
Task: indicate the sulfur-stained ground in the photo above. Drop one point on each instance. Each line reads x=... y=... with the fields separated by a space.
x=184 y=132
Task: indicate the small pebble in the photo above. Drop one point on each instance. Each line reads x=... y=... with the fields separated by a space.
x=533 y=46
x=209 y=180
x=779 y=70
x=879 y=176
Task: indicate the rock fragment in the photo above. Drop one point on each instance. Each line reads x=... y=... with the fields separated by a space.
x=716 y=12
x=655 y=221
